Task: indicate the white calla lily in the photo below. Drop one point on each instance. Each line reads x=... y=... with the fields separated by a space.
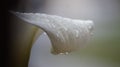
x=65 y=34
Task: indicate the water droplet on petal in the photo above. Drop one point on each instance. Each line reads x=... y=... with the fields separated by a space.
x=89 y=27
x=61 y=53
x=44 y=33
x=66 y=53
x=47 y=20
x=53 y=25
x=77 y=33
x=65 y=29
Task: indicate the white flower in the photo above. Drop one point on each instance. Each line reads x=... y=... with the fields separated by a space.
x=66 y=34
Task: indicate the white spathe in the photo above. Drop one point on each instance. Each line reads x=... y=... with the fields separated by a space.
x=66 y=34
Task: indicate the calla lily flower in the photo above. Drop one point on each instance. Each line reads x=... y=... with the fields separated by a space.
x=66 y=35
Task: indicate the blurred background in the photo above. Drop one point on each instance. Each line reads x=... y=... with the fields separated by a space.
x=104 y=48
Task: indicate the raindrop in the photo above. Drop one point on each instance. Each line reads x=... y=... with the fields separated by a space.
x=89 y=27
x=61 y=53
x=66 y=53
x=65 y=29
x=77 y=33
x=47 y=20
x=44 y=33
x=53 y=25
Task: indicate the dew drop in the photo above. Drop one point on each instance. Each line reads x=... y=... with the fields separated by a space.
x=65 y=29
x=77 y=33
x=66 y=53
x=53 y=25
x=57 y=35
x=47 y=20
x=89 y=27
x=44 y=33
x=61 y=53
